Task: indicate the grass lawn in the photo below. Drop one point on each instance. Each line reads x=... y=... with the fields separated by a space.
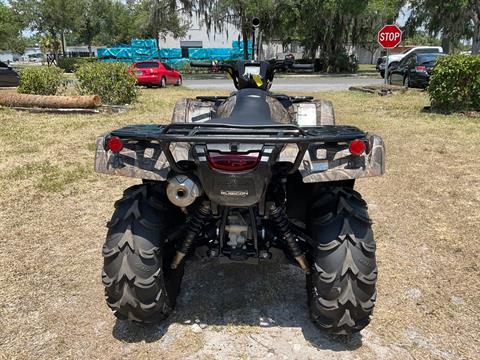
x=53 y=210
x=366 y=68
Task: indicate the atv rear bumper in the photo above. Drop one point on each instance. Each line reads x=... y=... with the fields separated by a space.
x=319 y=153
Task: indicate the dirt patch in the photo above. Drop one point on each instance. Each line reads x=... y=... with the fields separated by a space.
x=426 y=209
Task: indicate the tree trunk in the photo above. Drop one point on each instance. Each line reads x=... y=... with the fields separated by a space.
x=62 y=34
x=446 y=44
x=52 y=102
x=245 y=41
x=476 y=40
x=476 y=29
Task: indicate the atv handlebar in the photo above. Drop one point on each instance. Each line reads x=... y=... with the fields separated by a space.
x=252 y=74
x=275 y=65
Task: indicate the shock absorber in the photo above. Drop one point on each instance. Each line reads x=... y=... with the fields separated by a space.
x=197 y=220
x=282 y=224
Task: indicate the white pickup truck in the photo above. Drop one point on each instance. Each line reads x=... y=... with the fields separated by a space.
x=395 y=58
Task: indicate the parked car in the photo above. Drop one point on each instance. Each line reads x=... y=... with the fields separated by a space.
x=155 y=73
x=8 y=76
x=393 y=60
x=413 y=70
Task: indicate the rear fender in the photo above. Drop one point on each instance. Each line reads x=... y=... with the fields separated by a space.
x=321 y=163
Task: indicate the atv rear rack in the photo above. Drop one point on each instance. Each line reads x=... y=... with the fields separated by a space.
x=222 y=133
x=319 y=153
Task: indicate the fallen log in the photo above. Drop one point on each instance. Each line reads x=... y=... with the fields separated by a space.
x=381 y=90
x=51 y=102
x=104 y=109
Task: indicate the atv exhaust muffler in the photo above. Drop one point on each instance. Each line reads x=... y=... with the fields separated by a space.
x=182 y=191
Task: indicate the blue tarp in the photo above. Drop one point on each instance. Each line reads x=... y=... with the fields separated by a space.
x=144 y=43
x=179 y=64
x=239 y=45
x=146 y=49
x=170 y=53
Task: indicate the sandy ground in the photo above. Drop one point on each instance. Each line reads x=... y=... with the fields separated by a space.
x=53 y=210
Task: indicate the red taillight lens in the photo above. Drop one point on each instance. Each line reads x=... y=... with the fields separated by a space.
x=420 y=69
x=357 y=147
x=233 y=162
x=115 y=144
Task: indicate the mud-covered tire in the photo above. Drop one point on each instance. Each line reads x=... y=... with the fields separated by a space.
x=341 y=286
x=139 y=284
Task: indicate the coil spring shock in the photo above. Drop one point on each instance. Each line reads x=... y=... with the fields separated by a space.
x=197 y=220
x=282 y=224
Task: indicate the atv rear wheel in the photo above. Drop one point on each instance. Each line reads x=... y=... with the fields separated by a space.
x=139 y=284
x=341 y=285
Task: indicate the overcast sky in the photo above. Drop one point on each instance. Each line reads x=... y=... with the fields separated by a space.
x=404 y=15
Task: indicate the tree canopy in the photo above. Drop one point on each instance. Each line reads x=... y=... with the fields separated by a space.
x=451 y=20
x=326 y=28
x=10 y=29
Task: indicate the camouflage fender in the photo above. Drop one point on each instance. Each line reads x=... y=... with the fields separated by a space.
x=320 y=164
x=137 y=162
x=331 y=164
x=192 y=110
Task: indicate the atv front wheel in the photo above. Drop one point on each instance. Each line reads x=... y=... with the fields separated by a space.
x=139 y=284
x=341 y=285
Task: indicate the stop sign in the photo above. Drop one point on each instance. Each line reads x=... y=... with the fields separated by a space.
x=389 y=36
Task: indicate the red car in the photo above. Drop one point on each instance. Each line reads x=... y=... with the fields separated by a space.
x=151 y=73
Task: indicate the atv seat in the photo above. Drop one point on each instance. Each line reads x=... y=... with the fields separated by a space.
x=251 y=107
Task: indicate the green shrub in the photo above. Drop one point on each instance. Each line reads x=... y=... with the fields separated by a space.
x=70 y=64
x=342 y=62
x=41 y=80
x=455 y=83
x=111 y=81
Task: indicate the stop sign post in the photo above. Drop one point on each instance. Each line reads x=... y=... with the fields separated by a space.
x=389 y=37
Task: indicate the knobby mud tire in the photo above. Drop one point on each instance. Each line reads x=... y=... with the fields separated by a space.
x=341 y=286
x=139 y=284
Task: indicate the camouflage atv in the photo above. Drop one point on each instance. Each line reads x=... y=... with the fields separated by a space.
x=251 y=177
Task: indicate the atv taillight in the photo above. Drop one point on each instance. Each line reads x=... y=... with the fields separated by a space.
x=114 y=144
x=233 y=162
x=357 y=147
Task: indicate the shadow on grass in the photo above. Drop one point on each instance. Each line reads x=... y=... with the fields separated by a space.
x=221 y=295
